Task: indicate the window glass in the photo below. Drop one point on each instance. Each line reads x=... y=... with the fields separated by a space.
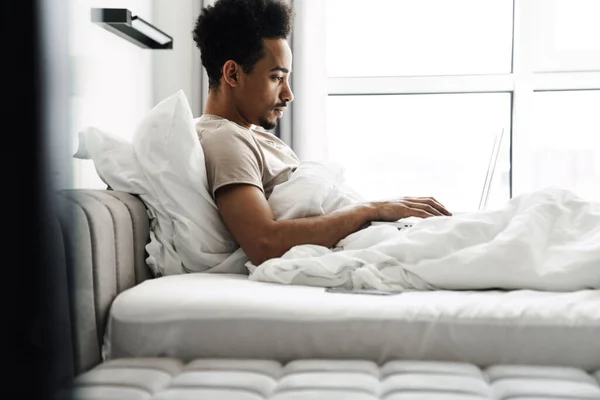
x=566 y=35
x=566 y=142
x=418 y=37
x=435 y=145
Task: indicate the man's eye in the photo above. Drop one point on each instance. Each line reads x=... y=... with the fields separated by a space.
x=278 y=78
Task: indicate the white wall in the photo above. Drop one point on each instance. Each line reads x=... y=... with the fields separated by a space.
x=111 y=80
x=56 y=145
x=179 y=68
x=309 y=81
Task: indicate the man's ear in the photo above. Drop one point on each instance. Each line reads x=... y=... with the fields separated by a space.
x=231 y=71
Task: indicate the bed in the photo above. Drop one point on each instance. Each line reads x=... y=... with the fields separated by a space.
x=226 y=315
x=223 y=336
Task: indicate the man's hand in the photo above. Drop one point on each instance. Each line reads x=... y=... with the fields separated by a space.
x=405 y=207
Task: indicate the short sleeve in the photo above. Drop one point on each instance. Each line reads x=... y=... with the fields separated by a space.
x=231 y=158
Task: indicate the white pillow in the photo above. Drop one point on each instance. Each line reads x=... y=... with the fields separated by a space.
x=114 y=159
x=164 y=165
x=117 y=165
x=169 y=152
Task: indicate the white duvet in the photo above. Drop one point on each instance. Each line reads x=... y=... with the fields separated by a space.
x=545 y=240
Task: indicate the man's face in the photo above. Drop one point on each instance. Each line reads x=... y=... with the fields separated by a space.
x=264 y=93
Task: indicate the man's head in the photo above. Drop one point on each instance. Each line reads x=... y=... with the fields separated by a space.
x=246 y=55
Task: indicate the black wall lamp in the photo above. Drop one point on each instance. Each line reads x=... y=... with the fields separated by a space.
x=132 y=28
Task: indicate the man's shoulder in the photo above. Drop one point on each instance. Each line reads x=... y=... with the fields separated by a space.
x=218 y=130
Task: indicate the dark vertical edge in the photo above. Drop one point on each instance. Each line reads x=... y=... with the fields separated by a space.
x=23 y=272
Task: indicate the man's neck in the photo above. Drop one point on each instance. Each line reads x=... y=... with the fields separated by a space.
x=220 y=105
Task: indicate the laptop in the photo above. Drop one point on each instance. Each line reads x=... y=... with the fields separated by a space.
x=485 y=191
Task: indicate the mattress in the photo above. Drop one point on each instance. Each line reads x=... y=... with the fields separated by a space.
x=238 y=379
x=227 y=316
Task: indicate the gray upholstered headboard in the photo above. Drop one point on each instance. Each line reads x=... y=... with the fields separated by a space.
x=103 y=234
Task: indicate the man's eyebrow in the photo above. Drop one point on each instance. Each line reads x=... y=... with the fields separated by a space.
x=278 y=68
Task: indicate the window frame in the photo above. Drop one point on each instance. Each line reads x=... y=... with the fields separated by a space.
x=522 y=82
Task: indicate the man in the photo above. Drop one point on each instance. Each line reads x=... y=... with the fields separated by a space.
x=248 y=61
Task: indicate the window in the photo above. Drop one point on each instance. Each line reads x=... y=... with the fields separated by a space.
x=566 y=141
x=418 y=89
x=566 y=35
x=418 y=37
x=435 y=145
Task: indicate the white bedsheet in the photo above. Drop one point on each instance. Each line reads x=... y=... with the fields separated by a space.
x=545 y=240
x=204 y=315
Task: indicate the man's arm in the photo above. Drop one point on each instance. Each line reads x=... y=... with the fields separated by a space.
x=251 y=221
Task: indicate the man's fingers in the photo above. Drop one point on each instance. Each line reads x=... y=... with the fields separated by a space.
x=417 y=212
x=441 y=207
x=424 y=206
x=432 y=202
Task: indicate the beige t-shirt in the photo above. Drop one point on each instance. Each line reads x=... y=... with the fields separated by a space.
x=235 y=154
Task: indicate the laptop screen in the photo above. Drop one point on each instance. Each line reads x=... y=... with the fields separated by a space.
x=489 y=175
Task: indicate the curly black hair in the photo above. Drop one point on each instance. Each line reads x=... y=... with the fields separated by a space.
x=235 y=29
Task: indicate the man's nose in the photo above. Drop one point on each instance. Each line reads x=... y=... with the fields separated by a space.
x=286 y=95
